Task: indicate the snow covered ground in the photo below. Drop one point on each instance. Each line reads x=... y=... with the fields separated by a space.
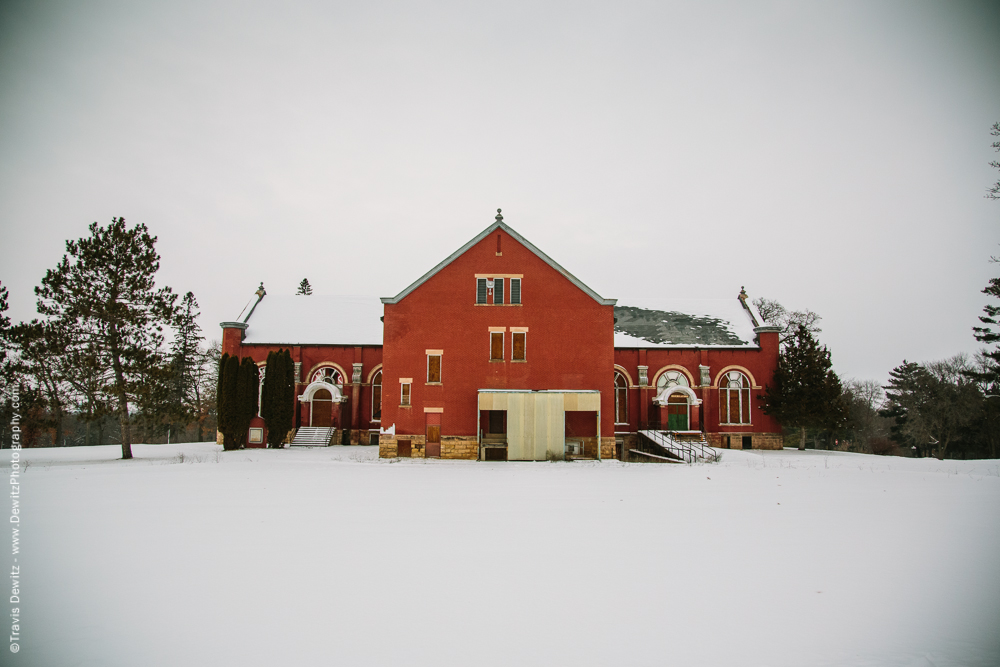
x=188 y=555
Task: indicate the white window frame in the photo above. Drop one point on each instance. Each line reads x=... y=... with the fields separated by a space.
x=745 y=385
x=619 y=374
x=378 y=374
x=440 y=379
x=525 y=334
x=405 y=395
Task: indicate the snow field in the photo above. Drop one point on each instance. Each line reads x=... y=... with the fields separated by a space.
x=188 y=555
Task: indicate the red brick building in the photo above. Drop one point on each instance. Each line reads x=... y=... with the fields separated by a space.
x=500 y=353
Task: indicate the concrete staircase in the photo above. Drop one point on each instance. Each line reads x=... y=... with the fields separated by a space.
x=687 y=448
x=312 y=436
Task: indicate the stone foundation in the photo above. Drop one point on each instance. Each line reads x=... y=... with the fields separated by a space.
x=760 y=440
x=467 y=448
x=608 y=447
x=459 y=447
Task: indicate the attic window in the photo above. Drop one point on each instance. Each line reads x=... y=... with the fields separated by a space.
x=498 y=290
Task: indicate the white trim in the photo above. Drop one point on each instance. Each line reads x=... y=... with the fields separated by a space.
x=335 y=391
x=427 y=375
x=409 y=397
x=741 y=369
x=628 y=377
x=503 y=345
x=517 y=237
x=671 y=367
x=371 y=383
x=661 y=398
x=326 y=364
x=525 y=350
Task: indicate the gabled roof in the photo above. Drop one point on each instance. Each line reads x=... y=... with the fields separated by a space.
x=283 y=319
x=499 y=224
x=665 y=323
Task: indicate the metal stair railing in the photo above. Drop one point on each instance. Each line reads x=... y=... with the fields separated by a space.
x=687 y=450
x=315 y=436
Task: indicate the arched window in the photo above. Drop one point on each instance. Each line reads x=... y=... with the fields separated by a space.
x=377 y=397
x=328 y=375
x=621 y=399
x=671 y=379
x=734 y=398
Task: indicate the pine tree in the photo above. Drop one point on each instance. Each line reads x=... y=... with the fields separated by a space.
x=804 y=391
x=305 y=288
x=247 y=385
x=990 y=334
x=228 y=411
x=186 y=363
x=933 y=405
x=279 y=387
x=267 y=388
x=994 y=191
x=4 y=326
x=103 y=291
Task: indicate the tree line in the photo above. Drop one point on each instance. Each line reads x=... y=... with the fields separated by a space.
x=96 y=365
x=948 y=408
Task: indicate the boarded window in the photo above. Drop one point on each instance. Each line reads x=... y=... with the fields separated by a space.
x=515 y=290
x=496 y=346
x=403 y=448
x=621 y=399
x=377 y=397
x=498 y=290
x=404 y=393
x=433 y=367
x=480 y=290
x=734 y=398
x=517 y=345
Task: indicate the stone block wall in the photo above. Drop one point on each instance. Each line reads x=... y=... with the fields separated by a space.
x=387 y=448
x=608 y=447
x=459 y=447
x=760 y=440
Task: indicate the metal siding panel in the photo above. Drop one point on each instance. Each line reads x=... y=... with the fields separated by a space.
x=554 y=426
x=515 y=428
x=588 y=402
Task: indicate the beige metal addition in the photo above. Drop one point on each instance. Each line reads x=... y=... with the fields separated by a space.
x=536 y=420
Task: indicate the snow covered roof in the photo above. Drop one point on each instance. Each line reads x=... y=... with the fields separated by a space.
x=315 y=320
x=686 y=323
x=500 y=224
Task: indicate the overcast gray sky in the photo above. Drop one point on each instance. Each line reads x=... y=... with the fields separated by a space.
x=832 y=156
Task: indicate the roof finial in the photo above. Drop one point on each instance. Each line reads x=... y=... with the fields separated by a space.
x=499 y=217
x=260 y=291
x=743 y=293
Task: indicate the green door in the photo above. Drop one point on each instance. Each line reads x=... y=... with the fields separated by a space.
x=678 y=421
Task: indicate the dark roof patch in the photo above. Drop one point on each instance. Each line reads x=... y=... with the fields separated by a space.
x=673 y=328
